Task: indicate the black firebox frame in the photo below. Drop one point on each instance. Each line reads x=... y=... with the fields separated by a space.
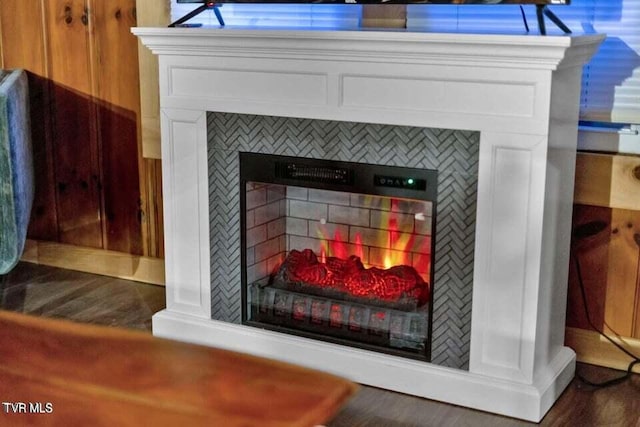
x=351 y=177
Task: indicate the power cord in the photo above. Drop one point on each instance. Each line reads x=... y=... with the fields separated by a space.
x=634 y=362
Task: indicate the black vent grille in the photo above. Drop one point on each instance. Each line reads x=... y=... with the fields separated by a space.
x=307 y=173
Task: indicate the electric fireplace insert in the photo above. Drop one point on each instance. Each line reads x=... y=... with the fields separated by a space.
x=339 y=251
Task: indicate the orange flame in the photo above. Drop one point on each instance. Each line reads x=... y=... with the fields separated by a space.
x=401 y=247
x=359 y=247
x=400 y=244
x=338 y=246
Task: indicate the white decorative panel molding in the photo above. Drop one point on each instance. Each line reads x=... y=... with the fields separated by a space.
x=255 y=86
x=186 y=228
x=429 y=95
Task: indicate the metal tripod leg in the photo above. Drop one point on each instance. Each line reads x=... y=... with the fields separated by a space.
x=541 y=12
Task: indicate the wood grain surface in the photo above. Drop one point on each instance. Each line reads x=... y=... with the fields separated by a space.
x=594 y=349
x=75 y=150
x=92 y=184
x=608 y=180
x=151 y=13
x=99 y=261
x=116 y=97
x=106 y=376
x=621 y=311
x=606 y=242
x=82 y=297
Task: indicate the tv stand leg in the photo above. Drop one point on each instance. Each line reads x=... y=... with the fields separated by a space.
x=541 y=12
x=554 y=18
x=198 y=11
x=541 y=26
x=216 y=10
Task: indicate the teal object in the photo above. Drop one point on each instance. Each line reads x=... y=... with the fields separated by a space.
x=16 y=167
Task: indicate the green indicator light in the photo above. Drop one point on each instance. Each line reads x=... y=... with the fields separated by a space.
x=410 y=181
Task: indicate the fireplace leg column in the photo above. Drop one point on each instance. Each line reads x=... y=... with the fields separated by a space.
x=522 y=261
x=185 y=186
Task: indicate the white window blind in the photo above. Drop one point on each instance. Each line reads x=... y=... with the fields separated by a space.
x=467 y=18
x=611 y=80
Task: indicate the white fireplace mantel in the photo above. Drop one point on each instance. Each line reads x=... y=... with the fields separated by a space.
x=520 y=92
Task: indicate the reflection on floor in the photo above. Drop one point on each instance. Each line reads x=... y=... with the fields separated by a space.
x=53 y=292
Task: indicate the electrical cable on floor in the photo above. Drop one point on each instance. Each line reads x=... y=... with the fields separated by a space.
x=636 y=359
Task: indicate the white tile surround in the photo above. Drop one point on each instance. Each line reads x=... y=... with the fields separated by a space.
x=520 y=92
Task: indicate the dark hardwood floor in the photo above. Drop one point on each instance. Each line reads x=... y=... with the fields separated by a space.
x=52 y=292
x=579 y=406
x=89 y=298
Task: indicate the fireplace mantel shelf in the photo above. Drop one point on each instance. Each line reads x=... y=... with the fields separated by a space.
x=514 y=50
x=520 y=92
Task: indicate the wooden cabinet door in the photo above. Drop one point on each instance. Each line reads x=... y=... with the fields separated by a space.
x=115 y=64
x=75 y=147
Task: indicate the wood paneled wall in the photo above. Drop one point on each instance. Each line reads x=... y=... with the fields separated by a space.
x=606 y=244
x=151 y=13
x=93 y=187
x=606 y=247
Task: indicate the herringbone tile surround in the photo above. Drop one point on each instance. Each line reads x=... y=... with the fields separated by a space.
x=453 y=153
